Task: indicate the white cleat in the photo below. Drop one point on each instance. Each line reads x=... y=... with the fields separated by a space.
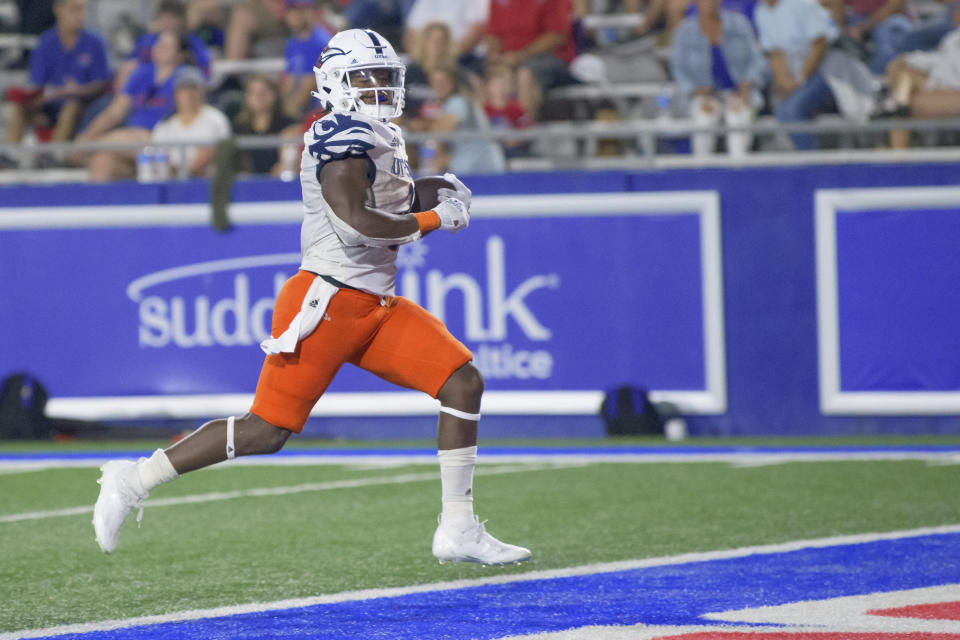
x=120 y=492
x=474 y=544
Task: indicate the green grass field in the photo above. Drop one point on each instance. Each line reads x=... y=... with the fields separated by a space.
x=329 y=540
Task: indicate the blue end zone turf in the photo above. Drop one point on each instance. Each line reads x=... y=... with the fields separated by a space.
x=675 y=595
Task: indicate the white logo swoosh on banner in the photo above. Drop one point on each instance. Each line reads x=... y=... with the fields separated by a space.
x=135 y=288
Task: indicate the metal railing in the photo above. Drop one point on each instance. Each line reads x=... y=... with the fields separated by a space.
x=574 y=145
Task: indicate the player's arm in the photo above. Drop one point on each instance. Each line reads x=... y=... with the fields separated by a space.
x=345 y=184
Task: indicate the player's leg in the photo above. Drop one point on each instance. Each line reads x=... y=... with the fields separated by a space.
x=65 y=123
x=222 y=439
x=415 y=350
x=105 y=166
x=125 y=484
x=739 y=113
x=241 y=29
x=289 y=386
x=461 y=392
x=457 y=442
x=16 y=122
x=460 y=536
x=705 y=111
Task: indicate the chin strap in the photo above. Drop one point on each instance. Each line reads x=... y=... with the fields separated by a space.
x=231 y=450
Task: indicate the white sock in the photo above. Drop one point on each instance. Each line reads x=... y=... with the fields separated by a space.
x=155 y=470
x=456 y=483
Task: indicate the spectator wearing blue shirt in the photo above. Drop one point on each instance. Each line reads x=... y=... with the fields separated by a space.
x=171 y=15
x=795 y=34
x=928 y=34
x=68 y=69
x=198 y=49
x=880 y=25
x=206 y=19
x=146 y=98
x=303 y=47
x=719 y=71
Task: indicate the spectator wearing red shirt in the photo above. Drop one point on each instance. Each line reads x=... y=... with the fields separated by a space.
x=503 y=109
x=536 y=38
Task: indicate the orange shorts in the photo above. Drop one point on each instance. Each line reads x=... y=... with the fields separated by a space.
x=395 y=339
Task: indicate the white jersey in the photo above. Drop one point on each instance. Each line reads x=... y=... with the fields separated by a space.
x=352 y=135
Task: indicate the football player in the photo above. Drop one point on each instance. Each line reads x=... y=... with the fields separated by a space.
x=340 y=307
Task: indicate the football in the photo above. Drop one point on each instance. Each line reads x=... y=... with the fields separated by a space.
x=425 y=192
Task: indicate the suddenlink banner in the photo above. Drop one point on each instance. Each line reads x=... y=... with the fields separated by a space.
x=544 y=302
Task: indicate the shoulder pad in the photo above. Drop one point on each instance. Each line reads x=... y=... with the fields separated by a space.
x=338 y=136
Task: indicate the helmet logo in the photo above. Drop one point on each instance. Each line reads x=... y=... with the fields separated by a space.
x=330 y=52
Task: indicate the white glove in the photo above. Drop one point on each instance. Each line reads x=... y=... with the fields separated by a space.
x=459 y=192
x=454 y=214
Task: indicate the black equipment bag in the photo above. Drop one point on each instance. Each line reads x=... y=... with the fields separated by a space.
x=628 y=411
x=22 y=403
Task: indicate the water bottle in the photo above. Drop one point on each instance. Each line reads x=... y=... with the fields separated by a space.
x=664 y=115
x=288 y=162
x=664 y=121
x=161 y=166
x=145 y=164
x=428 y=158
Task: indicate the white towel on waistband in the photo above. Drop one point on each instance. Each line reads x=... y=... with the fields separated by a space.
x=311 y=313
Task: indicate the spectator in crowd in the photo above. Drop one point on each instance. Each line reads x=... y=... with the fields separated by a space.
x=451 y=110
x=207 y=19
x=882 y=23
x=386 y=17
x=253 y=20
x=304 y=46
x=503 y=109
x=536 y=38
x=925 y=84
x=36 y=16
x=928 y=34
x=719 y=72
x=68 y=69
x=263 y=115
x=795 y=35
x=659 y=16
x=146 y=98
x=434 y=49
x=171 y=15
x=466 y=19
x=193 y=120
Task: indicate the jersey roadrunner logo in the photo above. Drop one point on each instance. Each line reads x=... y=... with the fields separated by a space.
x=338 y=137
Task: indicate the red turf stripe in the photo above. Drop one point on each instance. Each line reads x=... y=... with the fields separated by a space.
x=935 y=611
x=745 y=635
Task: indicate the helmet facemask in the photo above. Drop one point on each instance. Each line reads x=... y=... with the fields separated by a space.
x=375 y=90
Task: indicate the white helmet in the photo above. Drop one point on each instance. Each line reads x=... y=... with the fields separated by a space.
x=358 y=64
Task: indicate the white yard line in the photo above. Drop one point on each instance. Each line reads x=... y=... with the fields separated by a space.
x=368 y=594
x=738 y=458
x=217 y=496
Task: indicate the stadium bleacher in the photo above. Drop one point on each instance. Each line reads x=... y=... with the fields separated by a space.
x=622 y=113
